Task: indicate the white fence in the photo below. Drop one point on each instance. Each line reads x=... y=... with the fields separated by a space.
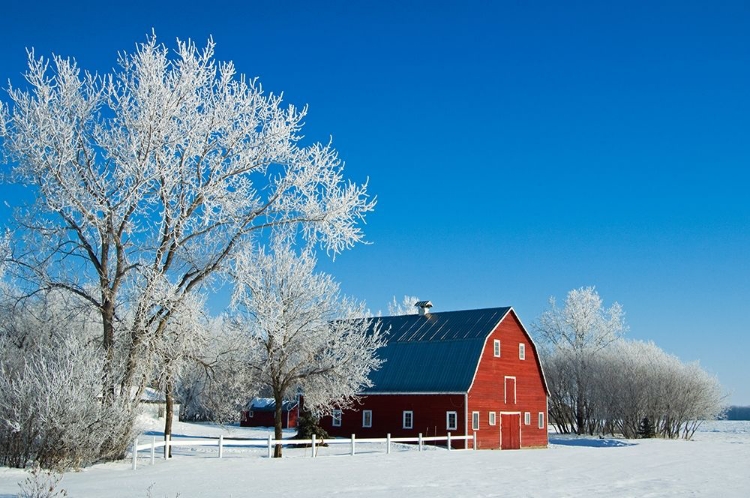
x=270 y=443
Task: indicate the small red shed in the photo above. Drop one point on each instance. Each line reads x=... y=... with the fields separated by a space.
x=260 y=412
x=463 y=372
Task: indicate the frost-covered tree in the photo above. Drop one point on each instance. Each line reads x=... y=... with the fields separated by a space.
x=148 y=179
x=305 y=336
x=4 y=253
x=184 y=340
x=405 y=307
x=634 y=380
x=215 y=385
x=581 y=329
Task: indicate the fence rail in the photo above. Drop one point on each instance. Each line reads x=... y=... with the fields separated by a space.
x=270 y=443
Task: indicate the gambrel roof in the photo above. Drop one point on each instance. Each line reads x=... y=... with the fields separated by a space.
x=433 y=353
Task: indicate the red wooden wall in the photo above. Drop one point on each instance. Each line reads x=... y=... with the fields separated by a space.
x=429 y=417
x=266 y=418
x=487 y=393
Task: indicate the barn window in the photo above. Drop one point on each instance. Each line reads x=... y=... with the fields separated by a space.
x=475 y=421
x=522 y=351
x=366 y=418
x=451 y=421
x=250 y=414
x=493 y=420
x=527 y=418
x=336 y=418
x=497 y=348
x=541 y=420
x=408 y=419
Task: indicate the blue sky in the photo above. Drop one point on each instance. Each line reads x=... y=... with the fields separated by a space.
x=517 y=149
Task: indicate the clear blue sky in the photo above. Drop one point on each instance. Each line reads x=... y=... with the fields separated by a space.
x=517 y=149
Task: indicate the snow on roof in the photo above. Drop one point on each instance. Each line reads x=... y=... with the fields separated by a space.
x=268 y=404
x=151 y=395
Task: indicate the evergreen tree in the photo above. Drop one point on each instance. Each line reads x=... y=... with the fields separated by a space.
x=309 y=425
x=646 y=428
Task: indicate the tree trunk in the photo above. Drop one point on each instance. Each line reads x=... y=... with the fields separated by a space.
x=168 y=396
x=277 y=425
x=108 y=343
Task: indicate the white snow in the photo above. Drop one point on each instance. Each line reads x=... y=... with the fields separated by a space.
x=715 y=463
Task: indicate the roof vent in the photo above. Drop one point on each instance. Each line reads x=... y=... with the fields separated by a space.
x=424 y=307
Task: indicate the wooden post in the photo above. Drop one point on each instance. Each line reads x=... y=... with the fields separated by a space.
x=353 y=437
x=153 y=449
x=388 y=443
x=269 y=446
x=449 y=441
x=313 y=445
x=420 y=441
x=221 y=445
x=135 y=452
x=474 y=441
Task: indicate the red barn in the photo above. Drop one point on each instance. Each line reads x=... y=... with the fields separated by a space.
x=460 y=372
x=260 y=412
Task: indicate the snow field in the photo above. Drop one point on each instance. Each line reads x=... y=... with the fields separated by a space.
x=715 y=463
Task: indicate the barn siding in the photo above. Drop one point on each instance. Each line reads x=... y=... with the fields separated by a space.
x=289 y=418
x=387 y=411
x=488 y=389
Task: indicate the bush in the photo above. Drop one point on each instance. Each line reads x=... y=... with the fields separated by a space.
x=51 y=408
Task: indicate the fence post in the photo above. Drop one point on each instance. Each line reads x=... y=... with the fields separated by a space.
x=153 y=449
x=388 y=444
x=269 y=446
x=420 y=441
x=449 y=441
x=353 y=437
x=313 y=445
x=135 y=452
x=474 y=442
x=221 y=445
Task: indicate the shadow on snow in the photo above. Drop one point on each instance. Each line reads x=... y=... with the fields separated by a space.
x=588 y=441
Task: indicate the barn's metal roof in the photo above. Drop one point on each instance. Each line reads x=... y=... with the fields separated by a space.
x=437 y=352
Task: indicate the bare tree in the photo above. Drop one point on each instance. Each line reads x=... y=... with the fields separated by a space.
x=582 y=328
x=305 y=336
x=148 y=179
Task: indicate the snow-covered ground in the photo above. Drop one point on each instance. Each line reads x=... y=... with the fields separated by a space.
x=715 y=463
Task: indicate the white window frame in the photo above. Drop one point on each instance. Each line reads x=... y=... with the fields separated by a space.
x=541 y=420
x=366 y=418
x=493 y=418
x=454 y=425
x=475 y=421
x=250 y=414
x=496 y=348
x=336 y=418
x=527 y=418
x=521 y=351
x=407 y=415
